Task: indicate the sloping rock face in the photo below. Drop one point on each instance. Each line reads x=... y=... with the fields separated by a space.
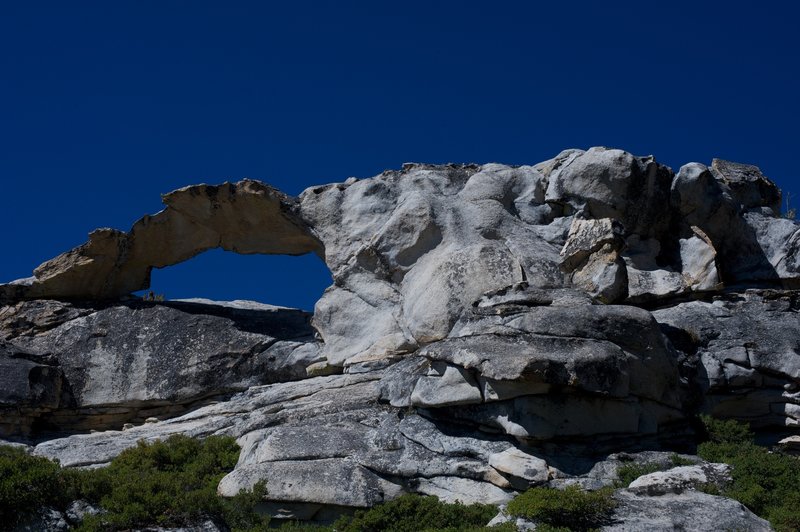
x=489 y=328
x=102 y=365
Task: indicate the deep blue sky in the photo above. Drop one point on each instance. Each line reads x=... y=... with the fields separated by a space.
x=106 y=105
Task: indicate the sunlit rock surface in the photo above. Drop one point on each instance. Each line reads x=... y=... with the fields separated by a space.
x=489 y=328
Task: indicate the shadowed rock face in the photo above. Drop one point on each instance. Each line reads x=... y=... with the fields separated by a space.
x=111 y=363
x=489 y=328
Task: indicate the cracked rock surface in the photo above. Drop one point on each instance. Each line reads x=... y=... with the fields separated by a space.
x=489 y=328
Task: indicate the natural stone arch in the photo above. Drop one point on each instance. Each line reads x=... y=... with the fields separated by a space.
x=245 y=217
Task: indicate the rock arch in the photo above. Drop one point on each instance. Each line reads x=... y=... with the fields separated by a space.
x=245 y=217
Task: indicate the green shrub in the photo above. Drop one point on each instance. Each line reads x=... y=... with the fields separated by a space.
x=168 y=483
x=414 y=513
x=571 y=508
x=677 y=460
x=786 y=517
x=27 y=483
x=710 y=488
x=725 y=431
x=627 y=473
x=767 y=483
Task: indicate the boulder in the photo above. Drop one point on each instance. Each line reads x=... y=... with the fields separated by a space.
x=702 y=201
x=520 y=465
x=692 y=511
x=610 y=183
x=779 y=239
x=45 y=518
x=79 y=510
x=748 y=185
x=682 y=478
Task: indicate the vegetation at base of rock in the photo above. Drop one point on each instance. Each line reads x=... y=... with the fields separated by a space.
x=173 y=483
x=165 y=483
x=677 y=460
x=28 y=482
x=169 y=483
x=768 y=483
x=414 y=513
x=570 y=508
x=627 y=473
x=725 y=431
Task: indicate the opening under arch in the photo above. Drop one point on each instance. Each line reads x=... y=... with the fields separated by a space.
x=284 y=280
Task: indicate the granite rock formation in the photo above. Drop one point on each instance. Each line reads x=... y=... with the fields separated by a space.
x=489 y=328
x=112 y=363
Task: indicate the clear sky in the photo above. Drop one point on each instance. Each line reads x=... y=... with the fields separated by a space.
x=106 y=105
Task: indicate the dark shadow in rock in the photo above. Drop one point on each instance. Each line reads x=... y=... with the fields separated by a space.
x=571 y=454
x=93 y=376
x=72 y=420
x=280 y=323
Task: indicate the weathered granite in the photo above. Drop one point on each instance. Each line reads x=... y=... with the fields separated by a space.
x=97 y=366
x=489 y=328
x=692 y=511
x=742 y=354
x=682 y=478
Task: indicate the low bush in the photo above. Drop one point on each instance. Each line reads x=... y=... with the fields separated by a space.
x=571 y=508
x=627 y=473
x=415 y=513
x=767 y=483
x=29 y=482
x=173 y=483
x=167 y=483
x=677 y=460
x=725 y=431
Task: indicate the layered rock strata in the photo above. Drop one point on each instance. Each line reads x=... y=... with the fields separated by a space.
x=489 y=328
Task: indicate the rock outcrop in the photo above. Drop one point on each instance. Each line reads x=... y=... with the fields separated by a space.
x=107 y=364
x=743 y=354
x=489 y=328
x=691 y=511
